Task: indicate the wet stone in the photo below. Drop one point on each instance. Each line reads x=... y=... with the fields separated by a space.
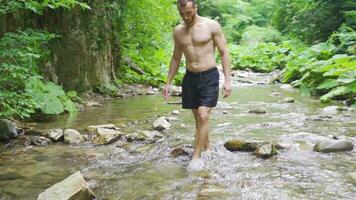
x=179 y=152
x=40 y=141
x=72 y=136
x=241 y=145
x=257 y=111
x=161 y=124
x=55 y=135
x=330 y=145
x=288 y=100
x=265 y=150
x=7 y=130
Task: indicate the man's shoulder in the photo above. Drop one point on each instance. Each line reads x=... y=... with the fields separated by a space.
x=210 y=22
x=178 y=28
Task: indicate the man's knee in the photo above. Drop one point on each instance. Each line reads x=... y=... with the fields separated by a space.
x=203 y=116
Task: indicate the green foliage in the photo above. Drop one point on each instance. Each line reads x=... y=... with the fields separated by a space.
x=22 y=90
x=264 y=57
x=38 y=6
x=312 y=20
x=253 y=35
x=146 y=37
x=320 y=71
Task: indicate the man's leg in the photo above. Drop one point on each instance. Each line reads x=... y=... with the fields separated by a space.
x=207 y=142
x=202 y=130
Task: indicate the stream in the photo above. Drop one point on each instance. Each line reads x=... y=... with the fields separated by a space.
x=139 y=170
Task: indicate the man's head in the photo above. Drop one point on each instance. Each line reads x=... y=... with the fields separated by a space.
x=187 y=10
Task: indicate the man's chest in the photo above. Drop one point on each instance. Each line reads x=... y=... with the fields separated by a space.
x=195 y=36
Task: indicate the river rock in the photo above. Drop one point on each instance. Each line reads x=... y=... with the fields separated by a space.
x=72 y=136
x=161 y=124
x=179 y=152
x=265 y=150
x=241 y=145
x=151 y=136
x=73 y=187
x=95 y=127
x=175 y=112
x=275 y=94
x=287 y=87
x=106 y=136
x=93 y=104
x=257 y=110
x=171 y=119
x=55 y=135
x=7 y=130
x=288 y=100
x=176 y=90
x=39 y=140
x=330 y=145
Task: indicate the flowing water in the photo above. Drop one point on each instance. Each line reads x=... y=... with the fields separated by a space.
x=148 y=171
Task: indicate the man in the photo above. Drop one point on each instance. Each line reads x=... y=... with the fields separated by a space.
x=197 y=38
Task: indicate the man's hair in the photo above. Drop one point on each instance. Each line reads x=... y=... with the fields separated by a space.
x=182 y=3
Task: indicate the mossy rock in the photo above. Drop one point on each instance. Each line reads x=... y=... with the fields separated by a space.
x=241 y=145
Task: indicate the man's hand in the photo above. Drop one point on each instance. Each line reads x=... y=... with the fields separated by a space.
x=166 y=89
x=226 y=89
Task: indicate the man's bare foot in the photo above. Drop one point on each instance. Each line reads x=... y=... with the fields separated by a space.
x=196 y=165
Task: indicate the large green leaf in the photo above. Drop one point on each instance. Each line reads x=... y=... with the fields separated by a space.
x=52 y=106
x=328 y=83
x=347 y=77
x=334 y=92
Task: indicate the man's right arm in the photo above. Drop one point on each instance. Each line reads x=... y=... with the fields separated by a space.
x=174 y=65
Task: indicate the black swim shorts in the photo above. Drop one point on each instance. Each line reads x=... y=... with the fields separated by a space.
x=200 y=89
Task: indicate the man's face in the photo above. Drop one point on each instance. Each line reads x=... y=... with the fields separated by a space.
x=187 y=12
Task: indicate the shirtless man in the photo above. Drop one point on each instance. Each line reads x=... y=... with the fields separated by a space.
x=197 y=38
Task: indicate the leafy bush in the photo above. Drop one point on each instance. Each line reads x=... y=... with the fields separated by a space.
x=22 y=89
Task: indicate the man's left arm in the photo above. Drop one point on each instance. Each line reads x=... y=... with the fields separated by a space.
x=221 y=44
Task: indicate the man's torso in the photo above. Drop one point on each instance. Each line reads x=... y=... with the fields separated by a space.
x=197 y=45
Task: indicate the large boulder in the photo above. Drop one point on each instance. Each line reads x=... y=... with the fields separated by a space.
x=241 y=145
x=72 y=188
x=72 y=136
x=330 y=145
x=7 y=130
x=161 y=124
x=107 y=136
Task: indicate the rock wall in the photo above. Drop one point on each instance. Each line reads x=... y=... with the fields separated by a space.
x=85 y=55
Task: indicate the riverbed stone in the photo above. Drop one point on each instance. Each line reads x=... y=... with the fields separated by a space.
x=72 y=136
x=330 y=145
x=39 y=140
x=175 y=112
x=106 y=136
x=7 y=130
x=241 y=145
x=287 y=87
x=288 y=100
x=55 y=135
x=73 y=187
x=176 y=90
x=95 y=127
x=179 y=151
x=93 y=104
x=161 y=124
x=151 y=136
x=257 y=110
x=265 y=150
